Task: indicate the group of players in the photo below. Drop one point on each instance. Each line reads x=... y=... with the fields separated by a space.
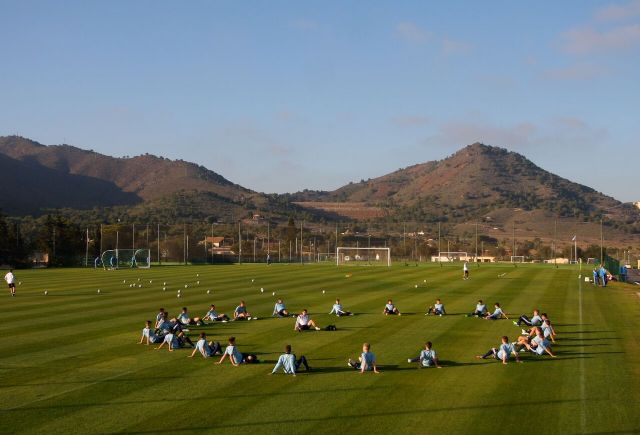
x=536 y=337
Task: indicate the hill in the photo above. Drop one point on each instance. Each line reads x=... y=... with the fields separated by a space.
x=475 y=181
x=63 y=176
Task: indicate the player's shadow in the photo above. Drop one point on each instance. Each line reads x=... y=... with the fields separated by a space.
x=478 y=362
x=325 y=370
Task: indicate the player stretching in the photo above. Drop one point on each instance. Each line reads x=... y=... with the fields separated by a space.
x=390 y=309
x=427 y=358
x=11 y=282
x=289 y=363
x=366 y=360
x=503 y=352
x=339 y=310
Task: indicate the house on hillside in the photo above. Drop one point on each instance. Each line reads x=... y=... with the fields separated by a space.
x=216 y=245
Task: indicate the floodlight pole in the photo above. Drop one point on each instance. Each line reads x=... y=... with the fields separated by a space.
x=268 y=237
x=158 y=235
x=301 y=250
x=476 y=242
x=239 y=244
x=101 y=251
x=439 y=250
x=133 y=236
x=601 y=243
x=86 y=254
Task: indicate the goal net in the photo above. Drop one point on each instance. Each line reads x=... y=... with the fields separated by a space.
x=326 y=257
x=448 y=256
x=363 y=256
x=517 y=258
x=126 y=258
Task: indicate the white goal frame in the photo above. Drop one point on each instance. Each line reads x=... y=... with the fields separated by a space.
x=128 y=258
x=514 y=258
x=344 y=248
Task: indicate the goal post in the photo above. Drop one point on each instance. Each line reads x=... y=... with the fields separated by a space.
x=363 y=256
x=517 y=258
x=126 y=258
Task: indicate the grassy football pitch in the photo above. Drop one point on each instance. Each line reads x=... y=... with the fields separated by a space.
x=70 y=362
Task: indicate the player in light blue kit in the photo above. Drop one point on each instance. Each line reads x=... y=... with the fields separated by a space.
x=366 y=361
x=497 y=313
x=339 y=310
x=213 y=315
x=437 y=309
x=206 y=349
x=390 y=309
x=289 y=363
x=427 y=358
x=280 y=309
x=150 y=335
x=480 y=311
x=535 y=320
x=503 y=352
x=235 y=356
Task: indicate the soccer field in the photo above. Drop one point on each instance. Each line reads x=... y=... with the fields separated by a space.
x=70 y=362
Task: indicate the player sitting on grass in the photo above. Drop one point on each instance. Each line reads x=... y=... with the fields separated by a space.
x=427 y=358
x=186 y=320
x=535 y=320
x=280 y=310
x=241 y=312
x=437 y=309
x=480 y=311
x=163 y=325
x=547 y=330
x=497 y=313
x=175 y=341
x=366 y=361
x=213 y=316
x=503 y=352
x=289 y=363
x=303 y=322
x=206 y=348
x=150 y=335
x=339 y=310
x=390 y=309
x=160 y=317
x=235 y=356
x=539 y=345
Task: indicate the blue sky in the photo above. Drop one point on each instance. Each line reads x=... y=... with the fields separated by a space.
x=281 y=96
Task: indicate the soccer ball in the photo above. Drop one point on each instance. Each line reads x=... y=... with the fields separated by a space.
x=150 y=281
x=138 y=279
x=164 y=283
x=208 y=291
x=322 y=291
x=124 y=281
x=46 y=292
x=179 y=295
x=185 y=286
x=164 y=289
x=252 y=279
x=424 y=281
x=198 y=283
x=19 y=282
x=197 y=274
x=261 y=290
x=98 y=291
x=139 y=285
x=416 y=286
x=273 y=294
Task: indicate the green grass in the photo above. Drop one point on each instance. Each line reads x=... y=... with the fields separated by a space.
x=70 y=362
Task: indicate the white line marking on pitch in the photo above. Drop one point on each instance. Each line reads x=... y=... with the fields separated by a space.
x=583 y=413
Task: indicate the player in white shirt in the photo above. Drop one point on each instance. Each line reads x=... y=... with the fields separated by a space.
x=11 y=282
x=304 y=323
x=465 y=270
x=186 y=319
x=427 y=358
x=214 y=316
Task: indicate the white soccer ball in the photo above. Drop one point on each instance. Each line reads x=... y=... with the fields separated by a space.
x=98 y=291
x=164 y=283
x=416 y=286
x=124 y=281
x=261 y=290
x=273 y=293
x=179 y=291
x=252 y=279
x=197 y=274
x=185 y=286
x=208 y=291
x=138 y=279
x=164 y=289
x=425 y=281
x=139 y=285
x=198 y=283
x=179 y=295
x=19 y=282
x=322 y=291
x=150 y=281
x=46 y=292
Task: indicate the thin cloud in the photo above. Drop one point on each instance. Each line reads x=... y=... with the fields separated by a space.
x=451 y=47
x=410 y=121
x=588 y=40
x=618 y=12
x=412 y=33
x=583 y=71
